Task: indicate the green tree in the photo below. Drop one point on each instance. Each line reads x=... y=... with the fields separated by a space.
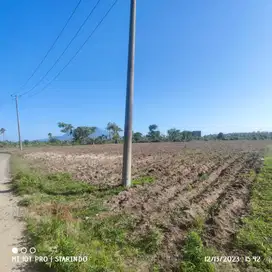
x=82 y=134
x=137 y=137
x=220 y=136
x=114 y=131
x=26 y=142
x=154 y=135
x=101 y=139
x=53 y=139
x=186 y=136
x=108 y=128
x=50 y=136
x=174 y=135
x=152 y=127
x=66 y=128
x=2 y=131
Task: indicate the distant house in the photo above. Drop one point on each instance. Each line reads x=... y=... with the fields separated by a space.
x=196 y=133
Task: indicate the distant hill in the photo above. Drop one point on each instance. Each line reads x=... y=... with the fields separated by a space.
x=67 y=137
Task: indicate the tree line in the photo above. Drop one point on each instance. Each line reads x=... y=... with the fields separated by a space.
x=85 y=135
x=82 y=135
x=258 y=135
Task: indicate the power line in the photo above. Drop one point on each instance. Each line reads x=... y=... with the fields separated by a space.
x=63 y=52
x=88 y=38
x=54 y=43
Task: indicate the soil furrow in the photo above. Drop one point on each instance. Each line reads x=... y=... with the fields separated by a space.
x=198 y=211
x=223 y=220
x=166 y=190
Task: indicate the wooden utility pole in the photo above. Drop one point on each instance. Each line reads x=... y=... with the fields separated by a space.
x=18 y=123
x=127 y=152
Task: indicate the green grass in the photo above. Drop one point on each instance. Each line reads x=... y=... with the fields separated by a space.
x=194 y=254
x=103 y=241
x=255 y=237
x=54 y=184
x=150 y=241
x=70 y=218
x=204 y=176
x=143 y=180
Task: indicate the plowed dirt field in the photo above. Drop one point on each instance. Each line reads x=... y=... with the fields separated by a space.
x=190 y=184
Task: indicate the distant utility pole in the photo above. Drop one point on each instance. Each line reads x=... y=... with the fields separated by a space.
x=127 y=152
x=18 y=123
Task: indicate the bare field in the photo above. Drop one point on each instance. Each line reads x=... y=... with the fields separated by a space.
x=102 y=164
x=195 y=183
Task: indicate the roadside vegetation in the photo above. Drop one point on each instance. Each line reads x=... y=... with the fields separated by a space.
x=70 y=218
x=255 y=237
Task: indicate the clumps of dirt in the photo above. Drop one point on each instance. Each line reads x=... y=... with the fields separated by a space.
x=225 y=216
x=69 y=158
x=205 y=185
x=177 y=203
x=106 y=169
x=91 y=168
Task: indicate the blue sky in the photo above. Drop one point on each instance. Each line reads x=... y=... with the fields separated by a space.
x=200 y=65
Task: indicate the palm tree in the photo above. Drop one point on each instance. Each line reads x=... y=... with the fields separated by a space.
x=109 y=129
x=2 y=131
x=50 y=136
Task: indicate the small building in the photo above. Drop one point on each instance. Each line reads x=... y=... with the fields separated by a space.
x=196 y=133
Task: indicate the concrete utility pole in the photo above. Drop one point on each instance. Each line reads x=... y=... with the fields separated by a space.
x=127 y=152
x=18 y=123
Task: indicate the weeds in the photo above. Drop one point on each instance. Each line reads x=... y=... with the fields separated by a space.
x=199 y=222
x=70 y=218
x=194 y=255
x=143 y=180
x=203 y=176
x=150 y=241
x=255 y=237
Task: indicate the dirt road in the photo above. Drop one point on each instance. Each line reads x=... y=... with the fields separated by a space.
x=10 y=227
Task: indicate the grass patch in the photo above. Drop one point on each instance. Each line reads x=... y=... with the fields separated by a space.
x=203 y=176
x=255 y=237
x=198 y=223
x=194 y=254
x=197 y=257
x=69 y=218
x=26 y=182
x=150 y=241
x=103 y=241
x=143 y=180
